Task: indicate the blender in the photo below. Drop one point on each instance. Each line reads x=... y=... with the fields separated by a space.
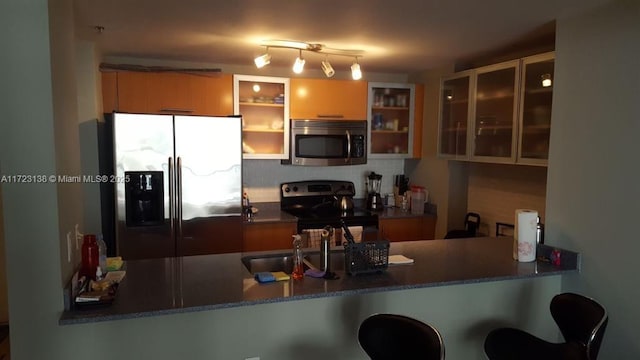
x=374 y=200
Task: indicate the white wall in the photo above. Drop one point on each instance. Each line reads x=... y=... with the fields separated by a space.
x=31 y=226
x=66 y=134
x=593 y=192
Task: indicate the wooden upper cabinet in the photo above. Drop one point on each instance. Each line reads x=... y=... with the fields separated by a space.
x=133 y=92
x=109 y=91
x=213 y=94
x=320 y=98
x=168 y=93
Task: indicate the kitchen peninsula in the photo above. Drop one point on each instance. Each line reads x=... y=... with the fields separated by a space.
x=209 y=282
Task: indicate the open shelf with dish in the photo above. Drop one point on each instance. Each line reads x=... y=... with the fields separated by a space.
x=391 y=120
x=263 y=103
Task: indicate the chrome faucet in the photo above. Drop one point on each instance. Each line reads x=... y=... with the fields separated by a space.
x=325 y=249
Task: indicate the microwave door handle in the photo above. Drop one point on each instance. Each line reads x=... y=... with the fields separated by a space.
x=348 y=159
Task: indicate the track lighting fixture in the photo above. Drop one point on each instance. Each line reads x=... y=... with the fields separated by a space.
x=356 y=73
x=546 y=80
x=298 y=66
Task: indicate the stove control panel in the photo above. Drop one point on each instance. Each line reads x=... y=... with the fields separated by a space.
x=317 y=188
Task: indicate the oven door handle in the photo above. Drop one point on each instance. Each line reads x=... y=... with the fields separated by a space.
x=348 y=159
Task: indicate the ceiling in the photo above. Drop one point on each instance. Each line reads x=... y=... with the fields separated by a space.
x=401 y=36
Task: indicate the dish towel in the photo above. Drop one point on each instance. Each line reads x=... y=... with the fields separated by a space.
x=399 y=259
x=313 y=237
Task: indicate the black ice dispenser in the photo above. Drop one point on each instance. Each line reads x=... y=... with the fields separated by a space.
x=144 y=198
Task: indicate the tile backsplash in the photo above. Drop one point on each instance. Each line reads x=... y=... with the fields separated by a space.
x=262 y=178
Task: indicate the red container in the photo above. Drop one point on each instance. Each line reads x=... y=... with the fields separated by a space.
x=90 y=257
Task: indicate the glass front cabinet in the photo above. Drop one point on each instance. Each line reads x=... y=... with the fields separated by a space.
x=391 y=120
x=263 y=103
x=535 y=109
x=499 y=113
x=494 y=116
x=455 y=107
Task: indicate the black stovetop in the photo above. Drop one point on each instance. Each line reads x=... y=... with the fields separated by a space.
x=313 y=203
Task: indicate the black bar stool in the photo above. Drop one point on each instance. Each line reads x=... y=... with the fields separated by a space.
x=471 y=224
x=581 y=320
x=390 y=337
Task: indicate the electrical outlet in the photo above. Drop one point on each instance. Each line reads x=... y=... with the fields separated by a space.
x=78 y=237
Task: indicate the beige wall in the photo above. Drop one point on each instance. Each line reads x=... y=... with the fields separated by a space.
x=431 y=172
x=495 y=191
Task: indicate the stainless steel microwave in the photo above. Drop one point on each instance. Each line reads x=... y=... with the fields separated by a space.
x=328 y=142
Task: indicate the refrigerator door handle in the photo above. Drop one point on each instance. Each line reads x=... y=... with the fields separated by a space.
x=172 y=217
x=179 y=202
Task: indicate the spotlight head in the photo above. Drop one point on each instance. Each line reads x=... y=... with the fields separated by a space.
x=262 y=60
x=356 y=73
x=327 y=69
x=298 y=65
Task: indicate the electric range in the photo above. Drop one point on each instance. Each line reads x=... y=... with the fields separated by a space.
x=313 y=203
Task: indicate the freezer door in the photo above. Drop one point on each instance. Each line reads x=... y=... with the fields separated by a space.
x=209 y=182
x=143 y=144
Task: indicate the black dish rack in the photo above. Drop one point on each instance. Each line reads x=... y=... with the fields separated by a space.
x=366 y=257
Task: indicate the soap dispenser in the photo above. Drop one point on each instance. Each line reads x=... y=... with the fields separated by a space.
x=298 y=269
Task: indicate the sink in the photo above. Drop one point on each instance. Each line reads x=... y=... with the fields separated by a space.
x=272 y=262
x=337 y=259
x=284 y=262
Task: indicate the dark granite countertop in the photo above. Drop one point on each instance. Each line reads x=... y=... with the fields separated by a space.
x=208 y=282
x=269 y=212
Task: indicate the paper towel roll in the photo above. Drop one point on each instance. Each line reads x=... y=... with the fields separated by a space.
x=525 y=235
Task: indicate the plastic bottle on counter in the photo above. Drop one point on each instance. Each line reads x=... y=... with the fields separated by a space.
x=90 y=256
x=245 y=201
x=102 y=254
x=298 y=268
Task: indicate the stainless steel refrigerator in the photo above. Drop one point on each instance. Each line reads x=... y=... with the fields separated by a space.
x=178 y=185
